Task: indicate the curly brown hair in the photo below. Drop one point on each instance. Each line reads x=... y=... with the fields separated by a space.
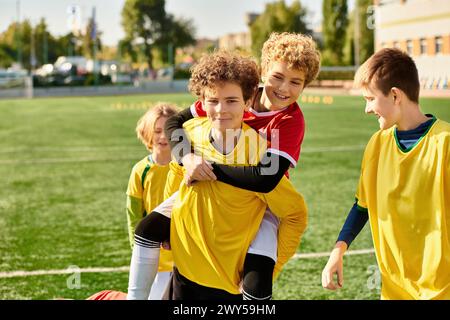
x=297 y=50
x=222 y=66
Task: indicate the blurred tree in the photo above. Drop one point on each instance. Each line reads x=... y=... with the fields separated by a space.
x=143 y=22
x=46 y=46
x=69 y=45
x=91 y=36
x=278 y=17
x=366 y=33
x=334 y=28
x=15 y=44
x=177 y=33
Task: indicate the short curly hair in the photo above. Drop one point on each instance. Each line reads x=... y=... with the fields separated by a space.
x=218 y=67
x=297 y=50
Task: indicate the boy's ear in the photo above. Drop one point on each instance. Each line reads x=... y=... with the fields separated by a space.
x=396 y=94
x=248 y=104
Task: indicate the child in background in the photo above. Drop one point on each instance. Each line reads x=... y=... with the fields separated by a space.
x=404 y=187
x=147 y=181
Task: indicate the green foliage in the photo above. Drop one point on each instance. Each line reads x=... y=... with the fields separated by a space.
x=143 y=20
x=17 y=40
x=181 y=74
x=88 y=43
x=366 y=33
x=147 y=26
x=334 y=28
x=277 y=17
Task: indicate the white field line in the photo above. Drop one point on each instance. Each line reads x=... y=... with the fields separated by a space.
x=70 y=149
x=66 y=160
x=72 y=270
x=108 y=159
x=315 y=255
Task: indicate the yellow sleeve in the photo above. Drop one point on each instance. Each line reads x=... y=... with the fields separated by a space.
x=285 y=202
x=135 y=188
x=361 y=191
x=135 y=213
x=135 y=203
x=174 y=179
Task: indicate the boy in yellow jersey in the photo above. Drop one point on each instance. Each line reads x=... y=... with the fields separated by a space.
x=147 y=181
x=404 y=186
x=213 y=223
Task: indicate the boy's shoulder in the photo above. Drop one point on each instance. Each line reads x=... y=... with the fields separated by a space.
x=443 y=127
x=140 y=166
x=195 y=123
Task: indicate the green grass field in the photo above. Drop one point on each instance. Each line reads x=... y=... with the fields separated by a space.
x=64 y=166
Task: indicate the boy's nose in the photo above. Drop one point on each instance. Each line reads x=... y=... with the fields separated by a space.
x=219 y=107
x=368 y=109
x=284 y=86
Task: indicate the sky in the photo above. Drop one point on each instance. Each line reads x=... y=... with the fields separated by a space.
x=212 y=18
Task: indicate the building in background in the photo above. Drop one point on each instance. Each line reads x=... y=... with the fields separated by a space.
x=421 y=28
x=233 y=41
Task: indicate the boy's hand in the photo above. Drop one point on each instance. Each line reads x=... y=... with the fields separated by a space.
x=197 y=169
x=166 y=245
x=334 y=265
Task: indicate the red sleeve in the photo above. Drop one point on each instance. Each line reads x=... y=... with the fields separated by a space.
x=197 y=109
x=287 y=136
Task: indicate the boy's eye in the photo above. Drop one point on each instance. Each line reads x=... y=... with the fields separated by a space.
x=296 y=83
x=232 y=101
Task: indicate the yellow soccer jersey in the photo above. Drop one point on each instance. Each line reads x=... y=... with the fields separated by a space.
x=213 y=223
x=145 y=192
x=407 y=195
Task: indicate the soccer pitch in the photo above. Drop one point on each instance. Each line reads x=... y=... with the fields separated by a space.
x=64 y=168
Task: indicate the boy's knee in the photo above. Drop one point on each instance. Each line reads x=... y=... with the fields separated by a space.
x=154 y=227
x=257 y=281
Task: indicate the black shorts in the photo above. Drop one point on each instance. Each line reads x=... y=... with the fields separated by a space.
x=181 y=288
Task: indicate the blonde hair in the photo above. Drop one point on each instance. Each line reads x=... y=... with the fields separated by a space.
x=297 y=50
x=222 y=66
x=146 y=125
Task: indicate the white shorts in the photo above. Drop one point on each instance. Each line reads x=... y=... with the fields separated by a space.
x=159 y=286
x=266 y=240
x=166 y=207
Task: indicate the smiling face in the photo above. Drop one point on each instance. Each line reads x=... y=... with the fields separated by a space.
x=382 y=106
x=282 y=85
x=224 y=106
x=159 y=139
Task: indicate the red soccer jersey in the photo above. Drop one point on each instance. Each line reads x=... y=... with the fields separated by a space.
x=284 y=128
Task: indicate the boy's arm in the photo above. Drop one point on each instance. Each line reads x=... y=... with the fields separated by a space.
x=176 y=135
x=356 y=220
x=253 y=178
x=135 y=203
x=174 y=179
x=259 y=178
x=135 y=213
